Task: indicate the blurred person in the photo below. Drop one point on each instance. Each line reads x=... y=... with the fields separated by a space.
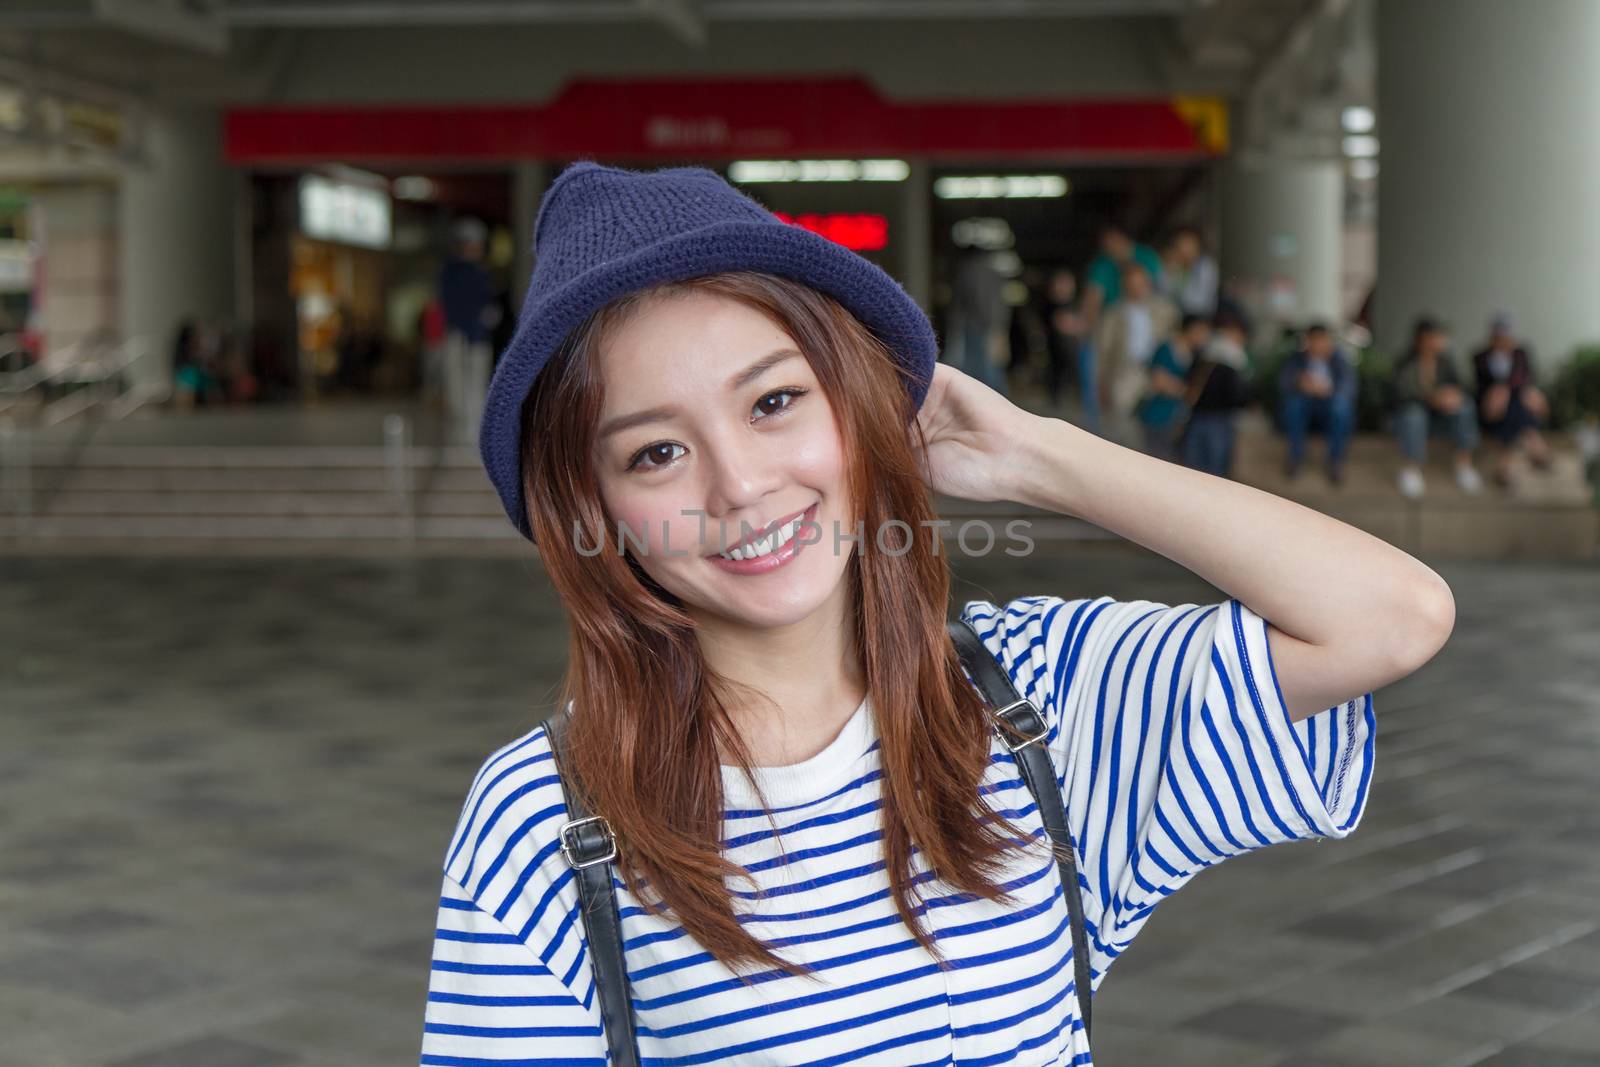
x=188 y=377
x=1063 y=327
x=1102 y=290
x=1129 y=334
x=1430 y=397
x=1218 y=388
x=1511 y=407
x=240 y=382
x=735 y=695
x=1317 y=394
x=1163 y=411
x=467 y=297
x=1108 y=270
x=195 y=374
x=1189 y=273
x=980 y=308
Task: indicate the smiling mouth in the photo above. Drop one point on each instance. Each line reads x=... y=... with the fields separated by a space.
x=765 y=541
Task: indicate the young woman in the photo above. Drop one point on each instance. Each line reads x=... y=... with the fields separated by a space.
x=724 y=433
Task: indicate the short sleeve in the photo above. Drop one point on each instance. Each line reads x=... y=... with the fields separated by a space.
x=1104 y=273
x=1172 y=743
x=491 y=999
x=511 y=980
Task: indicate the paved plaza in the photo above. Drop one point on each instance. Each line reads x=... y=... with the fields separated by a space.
x=226 y=786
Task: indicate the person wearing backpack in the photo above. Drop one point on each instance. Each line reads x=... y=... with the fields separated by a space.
x=786 y=810
x=1219 y=387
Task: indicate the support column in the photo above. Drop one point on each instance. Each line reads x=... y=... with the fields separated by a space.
x=176 y=216
x=916 y=234
x=1282 y=236
x=1490 y=148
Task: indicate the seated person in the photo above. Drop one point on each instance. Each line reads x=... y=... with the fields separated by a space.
x=1219 y=385
x=1162 y=412
x=1511 y=407
x=1318 y=393
x=1430 y=398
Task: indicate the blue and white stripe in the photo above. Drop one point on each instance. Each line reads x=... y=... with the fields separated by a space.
x=1170 y=737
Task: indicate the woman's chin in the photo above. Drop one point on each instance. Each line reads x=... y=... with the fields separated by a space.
x=771 y=600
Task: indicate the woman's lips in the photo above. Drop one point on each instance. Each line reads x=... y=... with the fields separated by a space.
x=772 y=560
x=771 y=527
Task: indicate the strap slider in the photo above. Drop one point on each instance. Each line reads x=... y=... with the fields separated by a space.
x=1025 y=718
x=581 y=853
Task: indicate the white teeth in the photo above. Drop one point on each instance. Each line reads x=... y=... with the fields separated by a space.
x=768 y=544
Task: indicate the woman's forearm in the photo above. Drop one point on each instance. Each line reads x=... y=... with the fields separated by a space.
x=1320 y=580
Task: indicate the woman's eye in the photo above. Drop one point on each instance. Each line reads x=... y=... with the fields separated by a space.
x=796 y=393
x=653 y=451
x=657 y=456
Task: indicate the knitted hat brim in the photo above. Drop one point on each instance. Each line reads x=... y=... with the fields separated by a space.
x=863 y=288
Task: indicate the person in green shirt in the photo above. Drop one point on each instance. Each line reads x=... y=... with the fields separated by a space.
x=1102 y=289
x=1117 y=250
x=1163 y=409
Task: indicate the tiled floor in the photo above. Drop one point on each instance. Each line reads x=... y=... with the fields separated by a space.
x=226 y=787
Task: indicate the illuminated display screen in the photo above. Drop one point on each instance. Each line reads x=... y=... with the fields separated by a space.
x=343 y=212
x=857 y=232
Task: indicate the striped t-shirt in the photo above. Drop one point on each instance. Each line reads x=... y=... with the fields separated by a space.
x=1170 y=737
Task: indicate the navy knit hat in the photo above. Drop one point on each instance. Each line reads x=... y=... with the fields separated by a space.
x=604 y=232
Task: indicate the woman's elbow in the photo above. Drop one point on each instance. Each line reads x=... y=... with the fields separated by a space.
x=1433 y=614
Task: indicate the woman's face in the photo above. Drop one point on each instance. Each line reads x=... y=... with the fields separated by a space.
x=714 y=432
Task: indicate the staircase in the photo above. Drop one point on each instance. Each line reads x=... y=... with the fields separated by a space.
x=162 y=487
x=1548 y=514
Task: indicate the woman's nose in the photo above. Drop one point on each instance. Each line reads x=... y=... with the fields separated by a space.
x=738 y=476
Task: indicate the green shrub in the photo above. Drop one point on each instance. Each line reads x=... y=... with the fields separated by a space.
x=1575 y=391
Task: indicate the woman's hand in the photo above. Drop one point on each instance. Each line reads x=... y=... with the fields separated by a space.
x=972 y=434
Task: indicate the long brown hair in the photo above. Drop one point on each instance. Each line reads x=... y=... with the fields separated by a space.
x=650 y=717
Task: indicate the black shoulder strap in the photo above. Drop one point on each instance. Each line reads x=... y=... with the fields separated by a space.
x=589 y=847
x=1037 y=771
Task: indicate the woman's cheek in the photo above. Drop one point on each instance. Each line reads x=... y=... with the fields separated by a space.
x=817 y=458
x=666 y=524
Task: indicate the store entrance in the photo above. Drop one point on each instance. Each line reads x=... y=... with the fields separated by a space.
x=346 y=270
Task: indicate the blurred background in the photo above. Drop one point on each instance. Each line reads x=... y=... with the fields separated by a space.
x=258 y=259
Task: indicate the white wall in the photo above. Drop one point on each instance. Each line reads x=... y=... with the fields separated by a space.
x=1490 y=155
x=1284 y=218
x=178 y=227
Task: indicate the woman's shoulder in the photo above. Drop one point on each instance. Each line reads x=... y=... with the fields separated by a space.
x=1045 y=642
x=512 y=813
x=1029 y=634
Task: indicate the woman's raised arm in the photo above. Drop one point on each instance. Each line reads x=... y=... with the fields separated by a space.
x=1349 y=612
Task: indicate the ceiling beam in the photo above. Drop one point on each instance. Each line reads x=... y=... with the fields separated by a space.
x=167 y=21
x=683 y=17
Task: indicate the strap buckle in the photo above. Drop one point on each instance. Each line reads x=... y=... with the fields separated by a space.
x=1005 y=737
x=572 y=848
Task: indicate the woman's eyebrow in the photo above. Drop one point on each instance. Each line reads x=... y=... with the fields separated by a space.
x=662 y=414
x=760 y=367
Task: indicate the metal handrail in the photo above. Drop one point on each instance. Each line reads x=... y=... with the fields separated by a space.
x=99 y=366
x=402 y=475
x=89 y=361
